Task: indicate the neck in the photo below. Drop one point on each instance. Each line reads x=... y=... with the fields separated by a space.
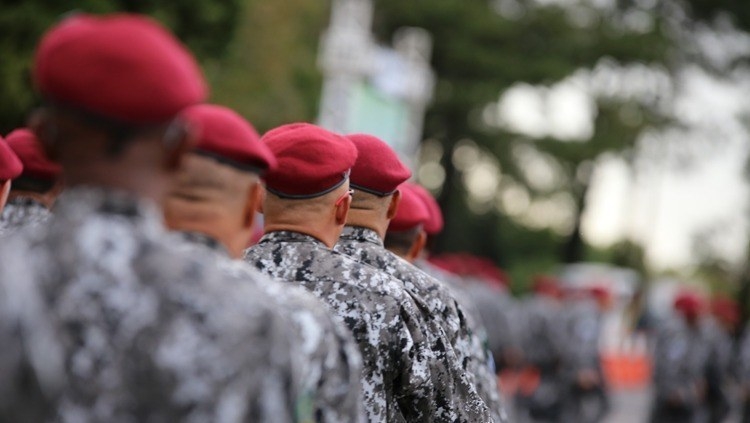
x=143 y=182
x=368 y=219
x=46 y=199
x=327 y=235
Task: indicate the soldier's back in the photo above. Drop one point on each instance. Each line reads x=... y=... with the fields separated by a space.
x=395 y=358
x=446 y=320
x=144 y=332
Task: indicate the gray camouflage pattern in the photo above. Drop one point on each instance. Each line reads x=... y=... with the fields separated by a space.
x=464 y=360
x=680 y=358
x=328 y=358
x=117 y=325
x=20 y=212
x=383 y=320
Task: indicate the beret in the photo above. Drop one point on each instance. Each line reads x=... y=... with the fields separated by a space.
x=124 y=67
x=688 y=303
x=311 y=161
x=10 y=165
x=434 y=223
x=36 y=164
x=229 y=138
x=378 y=170
x=411 y=211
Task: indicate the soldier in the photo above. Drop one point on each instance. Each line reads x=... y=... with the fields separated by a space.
x=305 y=208
x=375 y=178
x=10 y=168
x=542 y=345
x=680 y=356
x=213 y=204
x=407 y=238
x=720 y=327
x=101 y=318
x=582 y=377
x=34 y=191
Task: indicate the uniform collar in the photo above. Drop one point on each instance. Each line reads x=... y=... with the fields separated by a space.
x=289 y=236
x=359 y=233
x=27 y=202
x=203 y=240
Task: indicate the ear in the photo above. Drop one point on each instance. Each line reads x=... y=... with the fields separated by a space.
x=42 y=124
x=342 y=210
x=262 y=189
x=393 y=206
x=4 y=191
x=178 y=140
x=252 y=204
x=416 y=247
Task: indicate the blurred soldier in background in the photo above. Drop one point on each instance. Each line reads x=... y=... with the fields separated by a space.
x=305 y=209
x=213 y=205
x=681 y=355
x=34 y=191
x=377 y=179
x=743 y=374
x=720 y=327
x=585 y=397
x=101 y=318
x=10 y=168
x=542 y=343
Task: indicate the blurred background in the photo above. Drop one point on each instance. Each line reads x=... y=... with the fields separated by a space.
x=592 y=139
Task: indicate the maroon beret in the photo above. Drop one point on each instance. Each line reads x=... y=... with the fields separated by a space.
x=36 y=164
x=123 y=67
x=378 y=169
x=688 y=303
x=434 y=224
x=312 y=161
x=10 y=166
x=229 y=138
x=411 y=210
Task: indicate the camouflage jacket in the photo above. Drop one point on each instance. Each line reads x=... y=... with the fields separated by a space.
x=743 y=360
x=680 y=361
x=22 y=211
x=541 y=332
x=387 y=328
x=100 y=308
x=464 y=360
x=328 y=358
x=582 y=325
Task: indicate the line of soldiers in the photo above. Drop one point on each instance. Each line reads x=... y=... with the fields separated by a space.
x=136 y=298
x=698 y=369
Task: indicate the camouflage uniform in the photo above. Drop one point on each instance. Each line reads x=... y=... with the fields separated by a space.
x=397 y=377
x=743 y=367
x=582 y=322
x=133 y=329
x=330 y=362
x=680 y=358
x=464 y=355
x=22 y=211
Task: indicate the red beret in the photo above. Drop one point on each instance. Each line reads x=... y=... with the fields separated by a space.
x=725 y=309
x=229 y=138
x=688 y=303
x=123 y=67
x=434 y=223
x=411 y=211
x=10 y=166
x=312 y=161
x=25 y=144
x=378 y=169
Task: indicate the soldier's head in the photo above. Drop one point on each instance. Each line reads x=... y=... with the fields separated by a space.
x=689 y=305
x=40 y=178
x=406 y=237
x=10 y=168
x=218 y=190
x=375 y=179
x=112 y=88
x=434 y=224
x=308 y=192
